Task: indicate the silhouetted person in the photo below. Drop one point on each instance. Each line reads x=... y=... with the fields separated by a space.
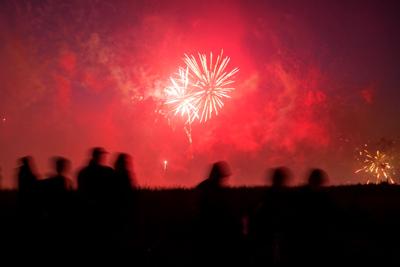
x=95 y=187
x=124 y=178
x=94 y=180
x=59 y=183
x=124 y=203
x=220 y=172
x=55 y=209
x=219 y=230
x=316 y=220
x=317 y=179
x=271 y=225
x=27 y=177
x=27 y=185
x=54 y=190
x=28 y=220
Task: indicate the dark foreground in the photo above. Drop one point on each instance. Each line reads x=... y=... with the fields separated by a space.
x=253 y=227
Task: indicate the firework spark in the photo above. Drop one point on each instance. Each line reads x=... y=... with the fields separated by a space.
x=165 y=165
x=212 y=83
x=197 y=91
x=179 y=98
x=376 y=165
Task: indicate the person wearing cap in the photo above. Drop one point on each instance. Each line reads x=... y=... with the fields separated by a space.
x=217 y=228
x=219 y=174
x=94 y=179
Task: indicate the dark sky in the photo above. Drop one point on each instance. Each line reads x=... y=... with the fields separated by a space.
x=317 y=80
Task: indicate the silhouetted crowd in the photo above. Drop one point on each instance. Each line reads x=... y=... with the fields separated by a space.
x=99 y=222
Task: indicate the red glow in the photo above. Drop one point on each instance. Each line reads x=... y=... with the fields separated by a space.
x=367 y=95
x=71 y=81
x=68 y=61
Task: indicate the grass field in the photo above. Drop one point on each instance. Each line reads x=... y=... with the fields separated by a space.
x=155 y=227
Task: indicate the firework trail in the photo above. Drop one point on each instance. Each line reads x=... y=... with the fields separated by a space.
x=165 y=165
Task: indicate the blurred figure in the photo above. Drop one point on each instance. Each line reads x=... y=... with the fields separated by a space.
x=318 y=215
x=219 y=229
x=95 y=187
x=28 y=219
x=271 y=224
x=123 y=200
x=280 y=177
x=59 y=183
x=27 y=177
x=124 y=178
x=220 y=172
x=317 y=179
x=94 y=179
x=55 y=209
x=54 y=190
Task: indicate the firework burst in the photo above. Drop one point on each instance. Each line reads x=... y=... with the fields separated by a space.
x=197 y=91
x=376 y=165
x=179 y=98
x=211 y=82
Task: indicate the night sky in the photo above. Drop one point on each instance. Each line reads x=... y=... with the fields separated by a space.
x=317 y=81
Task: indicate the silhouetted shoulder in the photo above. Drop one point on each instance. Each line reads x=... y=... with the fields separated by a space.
x=204 y=184
x=83 y=176
x=108 y=170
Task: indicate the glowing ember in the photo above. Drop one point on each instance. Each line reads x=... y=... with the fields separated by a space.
x=165 y=165
x=376 y=165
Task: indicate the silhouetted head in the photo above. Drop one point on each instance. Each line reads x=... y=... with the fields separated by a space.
x=27 y=165
x=61 y=165
x=123 y=162
x=220 y=172
x=280 y=176
x=26 y=161
x=317 y=178
x=98 y=155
